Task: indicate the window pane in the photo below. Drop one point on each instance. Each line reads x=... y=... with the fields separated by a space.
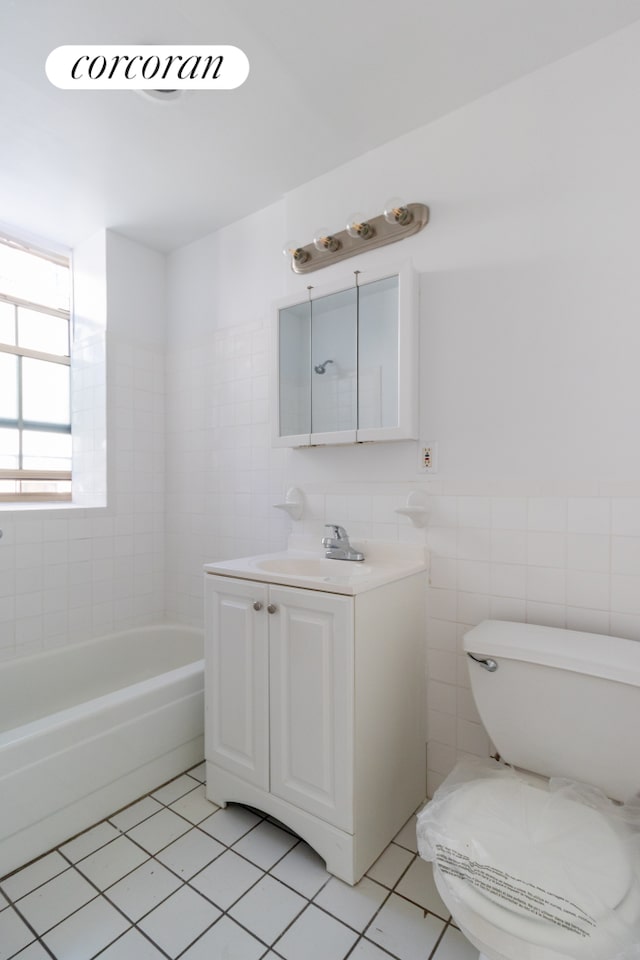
x=30 y=277
x=41 y=331
x=8 y=386
x=9 y=449
x=7 y=323
x=45 y=391
x=46 y=451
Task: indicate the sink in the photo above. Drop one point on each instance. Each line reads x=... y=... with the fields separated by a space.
x=314 y=567
x=304 y=566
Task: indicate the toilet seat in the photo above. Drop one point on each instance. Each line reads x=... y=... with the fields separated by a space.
x=533 y=865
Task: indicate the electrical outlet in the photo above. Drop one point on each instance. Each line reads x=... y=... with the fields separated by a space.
x=429 y=457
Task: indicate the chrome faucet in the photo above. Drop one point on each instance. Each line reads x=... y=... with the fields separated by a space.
x=338 y=546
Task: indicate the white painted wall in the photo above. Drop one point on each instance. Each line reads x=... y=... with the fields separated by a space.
x=529 y=346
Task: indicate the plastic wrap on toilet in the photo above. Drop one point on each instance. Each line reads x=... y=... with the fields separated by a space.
x=558 y=868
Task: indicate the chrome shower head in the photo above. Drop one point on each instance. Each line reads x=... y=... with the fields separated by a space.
x=321 y=367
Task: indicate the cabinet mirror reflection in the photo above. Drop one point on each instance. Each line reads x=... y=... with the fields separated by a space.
x=345 y=363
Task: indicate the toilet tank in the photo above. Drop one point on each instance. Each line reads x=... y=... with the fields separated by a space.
x=560 y=703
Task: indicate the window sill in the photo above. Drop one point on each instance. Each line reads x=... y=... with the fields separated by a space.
x=37 y=505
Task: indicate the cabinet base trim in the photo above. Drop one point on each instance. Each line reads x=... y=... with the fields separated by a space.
x=338 y=849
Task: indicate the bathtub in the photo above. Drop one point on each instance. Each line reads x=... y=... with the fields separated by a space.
x=87 y=729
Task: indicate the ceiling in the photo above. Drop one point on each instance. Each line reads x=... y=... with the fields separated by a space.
x=328 y=81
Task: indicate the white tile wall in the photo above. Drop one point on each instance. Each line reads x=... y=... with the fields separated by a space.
x=69 y=575
x=573 y=573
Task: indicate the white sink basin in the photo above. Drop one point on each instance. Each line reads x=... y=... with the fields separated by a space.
x=314 y=567
x=302 y=565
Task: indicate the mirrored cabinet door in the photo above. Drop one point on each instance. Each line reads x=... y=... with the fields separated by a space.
x=294 y=372
x=378 y=353
x=346 y=358
x=334 y=367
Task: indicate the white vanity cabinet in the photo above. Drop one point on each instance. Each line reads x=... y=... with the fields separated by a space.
x=314 y=710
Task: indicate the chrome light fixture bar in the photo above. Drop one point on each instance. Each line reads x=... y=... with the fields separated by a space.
x=399 y=220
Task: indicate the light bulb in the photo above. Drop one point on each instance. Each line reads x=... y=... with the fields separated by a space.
x=358 y=227
x=396 y=211
x=324 y=242
x=295 y=252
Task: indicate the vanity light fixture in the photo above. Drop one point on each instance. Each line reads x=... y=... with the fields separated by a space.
x=362 y=233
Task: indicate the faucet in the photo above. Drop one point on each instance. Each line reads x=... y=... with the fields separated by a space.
x=338 y=546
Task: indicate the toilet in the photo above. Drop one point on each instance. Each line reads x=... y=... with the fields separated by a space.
x=537 y=855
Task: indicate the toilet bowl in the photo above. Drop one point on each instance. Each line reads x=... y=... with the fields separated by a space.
x=534 y=868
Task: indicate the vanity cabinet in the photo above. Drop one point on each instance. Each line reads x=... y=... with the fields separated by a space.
x=314 y=710
x=345 y=362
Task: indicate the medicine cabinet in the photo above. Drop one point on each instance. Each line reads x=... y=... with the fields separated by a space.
x=345 y=362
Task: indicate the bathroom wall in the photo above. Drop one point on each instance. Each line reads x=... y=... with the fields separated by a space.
x=69 y=574
x=529 y=346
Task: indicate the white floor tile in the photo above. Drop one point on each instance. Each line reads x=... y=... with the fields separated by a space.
x=177 y=922
x=56 y=899
x=365 y=950
x=229 y=824
x=80 y=936
x=112 y=862
x=455 y=946
x=390 y=866
x=225 y=939
x=14 y=933
x=353 y=905
x=407 y=836
x=268 y=908
x=194 y=806
x=316 y=936
x=3 y=900
x=199 y=772
x=419 y=886
x=226 y=879
x=135 y=814
x=89 y=841
x=131 y=946
x=174 y=789
x=144 y=889
x=265 y=844
x=159 y=830
x=303 y=870
x=187 y=855
x=33 y=952
x=404 y=930
x=27 y=879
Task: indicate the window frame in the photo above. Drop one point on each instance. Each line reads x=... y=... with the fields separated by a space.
x=19 y=423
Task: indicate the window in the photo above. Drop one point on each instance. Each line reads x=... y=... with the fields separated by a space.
x=35 y=412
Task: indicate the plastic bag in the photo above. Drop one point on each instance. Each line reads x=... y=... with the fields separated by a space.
x=555 y=869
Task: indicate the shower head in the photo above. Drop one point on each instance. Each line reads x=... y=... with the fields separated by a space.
x=321 y=367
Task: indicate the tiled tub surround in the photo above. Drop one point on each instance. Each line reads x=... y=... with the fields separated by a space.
x=67 y=575
x=175 y=876
x=91 y=727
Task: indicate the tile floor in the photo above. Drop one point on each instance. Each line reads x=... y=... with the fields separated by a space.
x=175 y=876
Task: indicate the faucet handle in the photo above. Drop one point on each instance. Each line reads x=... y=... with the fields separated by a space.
x=338 y=533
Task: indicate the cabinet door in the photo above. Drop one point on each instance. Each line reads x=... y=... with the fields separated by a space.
x=237 y=678
x=311 y=636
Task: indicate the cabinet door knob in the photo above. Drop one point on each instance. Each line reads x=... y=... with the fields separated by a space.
x=271 y=608
x=257 y=605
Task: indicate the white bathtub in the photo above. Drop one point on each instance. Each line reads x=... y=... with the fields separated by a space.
x=87 y=729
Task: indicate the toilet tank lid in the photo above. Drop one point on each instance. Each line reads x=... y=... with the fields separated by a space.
x=611 y=658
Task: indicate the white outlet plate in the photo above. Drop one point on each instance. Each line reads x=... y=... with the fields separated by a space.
x=428 y=453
